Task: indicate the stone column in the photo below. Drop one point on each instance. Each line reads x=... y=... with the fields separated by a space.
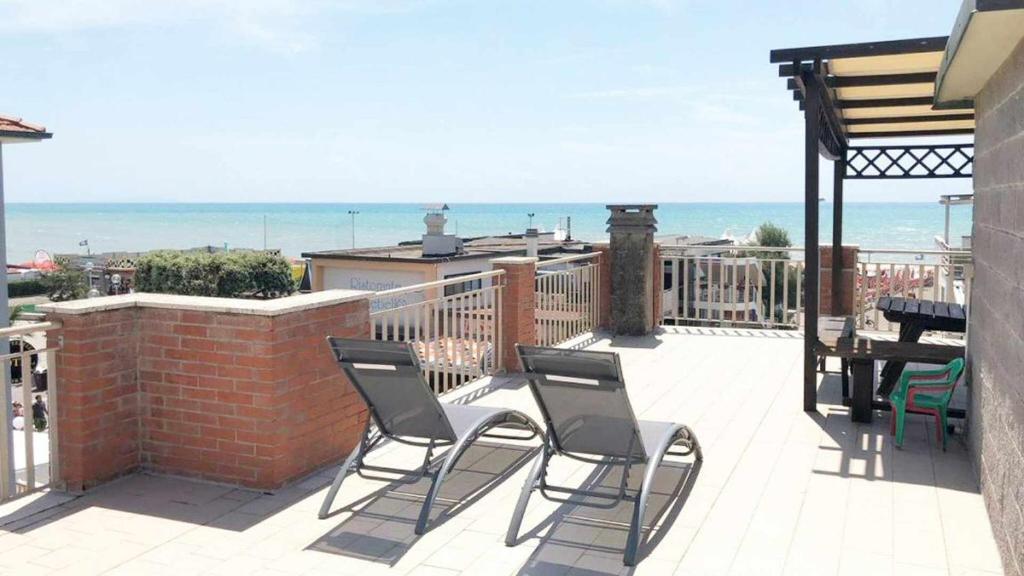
x=518 y=305
x=632 y=228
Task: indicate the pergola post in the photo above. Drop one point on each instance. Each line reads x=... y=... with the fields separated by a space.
x=838 y=175
x=811 y=126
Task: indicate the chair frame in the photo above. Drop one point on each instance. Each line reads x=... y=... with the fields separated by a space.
x=537 y=478
x=374 y=432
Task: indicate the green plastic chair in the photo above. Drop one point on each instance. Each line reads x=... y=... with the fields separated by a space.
x=924 y=392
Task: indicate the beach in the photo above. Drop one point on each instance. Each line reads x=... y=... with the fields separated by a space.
x=296 y=228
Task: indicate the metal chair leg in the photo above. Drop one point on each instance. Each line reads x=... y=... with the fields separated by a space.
x=524 y=496
x=336 y=485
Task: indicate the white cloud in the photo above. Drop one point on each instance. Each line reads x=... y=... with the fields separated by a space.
x=276 y=24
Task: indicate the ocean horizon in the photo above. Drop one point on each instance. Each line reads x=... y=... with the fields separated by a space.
x=295 y=228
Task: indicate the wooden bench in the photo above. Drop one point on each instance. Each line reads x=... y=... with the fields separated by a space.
x=840 y=341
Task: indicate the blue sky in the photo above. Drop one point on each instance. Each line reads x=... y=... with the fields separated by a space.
x=424 y=100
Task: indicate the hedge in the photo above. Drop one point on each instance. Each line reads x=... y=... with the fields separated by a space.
x=225 y=274
x=31 y=287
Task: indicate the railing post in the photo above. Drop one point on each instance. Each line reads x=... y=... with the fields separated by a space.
x=518 y=318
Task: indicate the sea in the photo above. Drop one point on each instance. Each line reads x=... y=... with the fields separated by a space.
x=298 y=228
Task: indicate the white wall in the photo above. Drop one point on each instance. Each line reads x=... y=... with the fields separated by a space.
x=376 y=281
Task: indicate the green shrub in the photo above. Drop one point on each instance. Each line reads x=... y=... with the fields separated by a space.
x=226 y=274
x=31 y=287
x=65 y=284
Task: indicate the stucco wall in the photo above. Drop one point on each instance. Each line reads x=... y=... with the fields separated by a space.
x=996 y=332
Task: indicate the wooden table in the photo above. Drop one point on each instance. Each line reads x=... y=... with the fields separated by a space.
x=862 y=354
x=914 y=317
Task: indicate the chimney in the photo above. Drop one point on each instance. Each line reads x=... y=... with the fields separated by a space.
x=532 y=242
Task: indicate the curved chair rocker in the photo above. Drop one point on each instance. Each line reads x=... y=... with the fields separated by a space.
x=404 y=409
x=924 y=392
x=582 y=397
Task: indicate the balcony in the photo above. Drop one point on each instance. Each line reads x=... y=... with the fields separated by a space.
x=780 y=491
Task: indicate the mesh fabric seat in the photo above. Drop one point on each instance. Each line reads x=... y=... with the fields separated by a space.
x=587 y=414
x=404 y=409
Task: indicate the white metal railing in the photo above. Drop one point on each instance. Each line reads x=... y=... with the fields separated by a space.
x=457 y=335
x=750 y=286
x=29 y=458
x=943 y=275
x=568 y=297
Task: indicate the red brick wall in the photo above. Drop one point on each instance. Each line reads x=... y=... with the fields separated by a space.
x=518 y=305
x=605 y=312
x=238 y=398
x=97 y=396
x=846 y=293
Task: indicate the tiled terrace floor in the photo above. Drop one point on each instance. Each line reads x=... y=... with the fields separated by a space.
x=780 y=491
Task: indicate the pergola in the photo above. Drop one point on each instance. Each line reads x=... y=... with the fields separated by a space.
x=851 y=92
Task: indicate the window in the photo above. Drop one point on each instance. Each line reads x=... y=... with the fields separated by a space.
x=459 y=288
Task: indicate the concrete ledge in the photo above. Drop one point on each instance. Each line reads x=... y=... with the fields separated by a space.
x=515 y=260
x=274 y=307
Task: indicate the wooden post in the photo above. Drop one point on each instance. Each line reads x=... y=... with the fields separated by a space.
x=811 y=112
x=838 y=172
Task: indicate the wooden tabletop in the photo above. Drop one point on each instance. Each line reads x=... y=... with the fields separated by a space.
x=946 y=316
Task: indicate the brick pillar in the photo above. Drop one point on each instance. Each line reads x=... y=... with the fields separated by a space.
x=518 y=304
x=97 y=396
x=657 y=286
x=846 y=294
x=605 y=263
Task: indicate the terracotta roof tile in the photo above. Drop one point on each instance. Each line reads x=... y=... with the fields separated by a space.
x=11 y=126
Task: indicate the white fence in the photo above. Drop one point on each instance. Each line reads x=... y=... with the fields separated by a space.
x=939 y=275
x=748 y=286
x=29 y=458
x=568 y=298
x=455 y=331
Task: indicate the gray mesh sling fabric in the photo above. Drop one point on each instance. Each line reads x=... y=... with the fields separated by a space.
x=404 y=409
x=583 y=398
x=388 y=378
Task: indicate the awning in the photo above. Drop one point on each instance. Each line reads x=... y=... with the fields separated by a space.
x=877 y=89
x=985 y=33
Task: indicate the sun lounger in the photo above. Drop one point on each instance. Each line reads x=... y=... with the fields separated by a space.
x=403 y=409
x=582 y=397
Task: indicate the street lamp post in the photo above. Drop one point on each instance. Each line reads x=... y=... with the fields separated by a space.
x=353 y=213
x=530 y=215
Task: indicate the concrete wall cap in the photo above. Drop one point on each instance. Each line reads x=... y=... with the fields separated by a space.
x=515 y=260
x=274 y=307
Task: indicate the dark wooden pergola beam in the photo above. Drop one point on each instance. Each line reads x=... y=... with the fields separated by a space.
x=907 y=119
x=880 y=80
x=912 y=133
x=887 y=48
x=884 y=102
x=812 y=102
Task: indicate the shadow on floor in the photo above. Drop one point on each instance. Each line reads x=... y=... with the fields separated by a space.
x=589 y=541
x=868 y=451
x=380 y=526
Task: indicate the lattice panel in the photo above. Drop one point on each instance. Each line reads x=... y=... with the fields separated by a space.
x=944 y=161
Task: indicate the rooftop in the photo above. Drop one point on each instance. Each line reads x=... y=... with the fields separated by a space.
x=780 y=491
x=17 y=130
x=482 y=247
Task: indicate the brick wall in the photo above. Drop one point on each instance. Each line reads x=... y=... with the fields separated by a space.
x=846 y=290
x=605 y=308
x=996 y=331
x=518 y=305
x=98 y=397
x=237 y=397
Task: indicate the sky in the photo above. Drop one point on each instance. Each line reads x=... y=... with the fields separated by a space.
x=425 y=100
